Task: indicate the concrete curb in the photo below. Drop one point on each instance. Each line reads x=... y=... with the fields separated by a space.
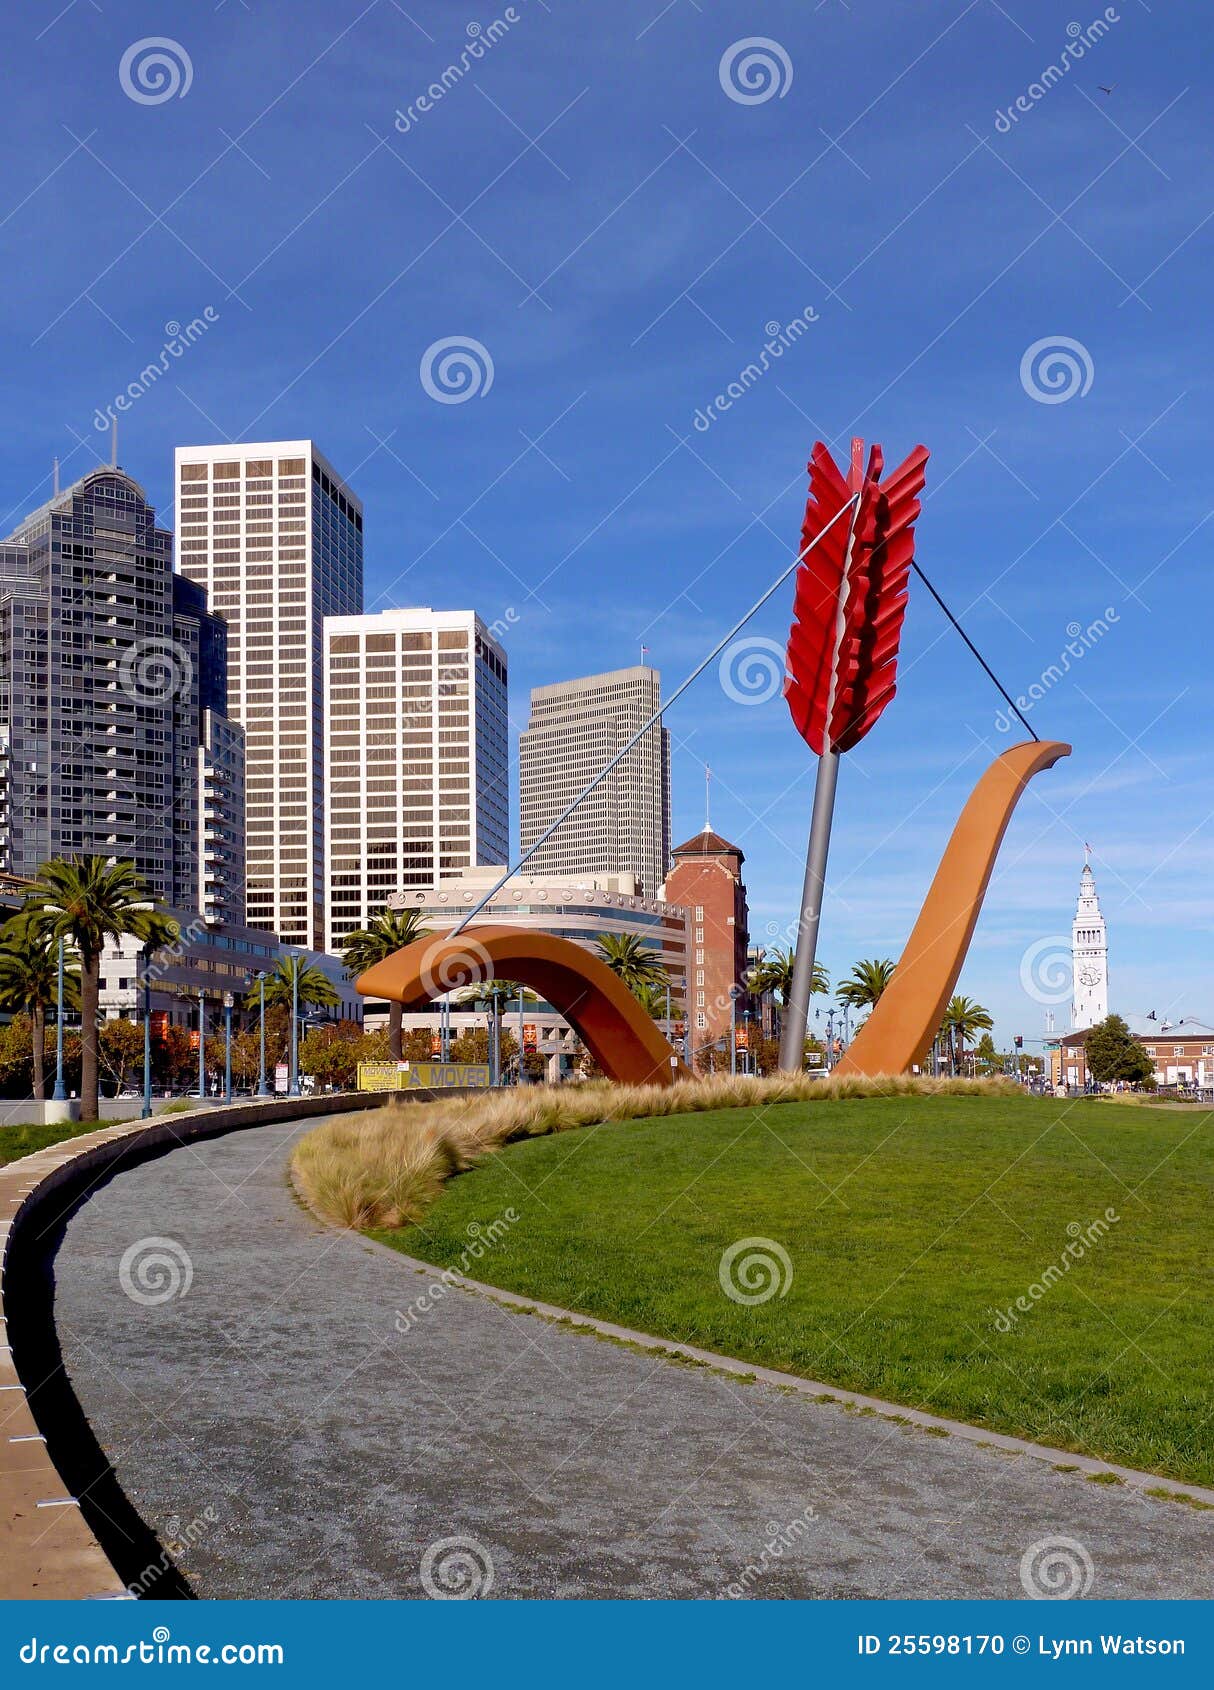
x=936 y=1424
x=47 y=1547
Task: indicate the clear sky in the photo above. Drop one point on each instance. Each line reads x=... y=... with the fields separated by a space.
x=618 y=203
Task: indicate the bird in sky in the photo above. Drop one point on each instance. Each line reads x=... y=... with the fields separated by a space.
x=1105 y=90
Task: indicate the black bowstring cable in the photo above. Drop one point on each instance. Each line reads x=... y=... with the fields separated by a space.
x=1007 y=697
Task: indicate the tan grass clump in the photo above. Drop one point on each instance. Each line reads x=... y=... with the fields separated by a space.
x=383 y=1168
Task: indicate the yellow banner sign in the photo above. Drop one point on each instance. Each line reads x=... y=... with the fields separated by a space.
x=422 y=1076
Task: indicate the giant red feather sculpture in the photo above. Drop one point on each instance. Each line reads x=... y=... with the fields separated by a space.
x=842 y=659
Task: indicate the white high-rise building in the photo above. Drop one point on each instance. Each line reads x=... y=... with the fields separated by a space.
x=575 y=728
x=276 y=537
x=417 y=759
x=1089 y=956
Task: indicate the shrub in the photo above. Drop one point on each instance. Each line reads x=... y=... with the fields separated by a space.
x=382 y=1169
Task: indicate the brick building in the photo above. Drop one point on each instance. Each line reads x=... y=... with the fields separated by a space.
x=706 y=879
x=1183 y=1056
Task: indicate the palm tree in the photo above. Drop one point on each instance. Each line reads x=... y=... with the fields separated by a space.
x=865 y=984
x=652 y=998
x=774 y=974
x=962 y=1019
x=628 y=957
x=86 y=901
x=29 y=980
x=390 y=932
x=311 y=984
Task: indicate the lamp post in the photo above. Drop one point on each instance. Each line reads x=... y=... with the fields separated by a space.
x=202 y=1044
x=227 y=1046
x=521 y=1077
x=733 y=1030
x=59 y=1094
x=147 y=1033
x=293 y=1083
x=746 y=1020
x=495 y=1039
x=263 y=1089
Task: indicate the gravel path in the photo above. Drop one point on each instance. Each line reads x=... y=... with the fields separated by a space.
x=276 y=1428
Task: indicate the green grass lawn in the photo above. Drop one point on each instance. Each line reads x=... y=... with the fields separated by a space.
x=910 y=1223
x=17 y=1141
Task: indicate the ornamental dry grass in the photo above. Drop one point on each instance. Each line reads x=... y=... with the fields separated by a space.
x=384 y=1168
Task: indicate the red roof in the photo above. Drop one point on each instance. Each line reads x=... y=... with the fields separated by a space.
x=708 y=844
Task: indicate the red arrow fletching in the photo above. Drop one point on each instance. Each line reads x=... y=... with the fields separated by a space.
x=850 y=602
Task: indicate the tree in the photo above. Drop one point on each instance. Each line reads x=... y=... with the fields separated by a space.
x=86 y=901
x=390 y=932
x=312 y=984
x=773 y=973
x=1113 y=1053
x=172 y=1058
x=631 y=960
x=865 y=984
x=330 y=1054
x=985 y=1053
x=652 y=999
x=120 y=1045
x=29 y=980
x=962 y=1019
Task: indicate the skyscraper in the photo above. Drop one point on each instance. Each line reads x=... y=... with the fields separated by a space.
x=276 y=537
x=417 y=756
x=1089 y=955
x=575 y=728
x=104 y=666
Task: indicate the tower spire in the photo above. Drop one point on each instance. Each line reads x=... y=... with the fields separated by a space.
x=707 y=799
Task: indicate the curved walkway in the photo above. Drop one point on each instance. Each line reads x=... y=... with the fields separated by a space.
x=284 y=1436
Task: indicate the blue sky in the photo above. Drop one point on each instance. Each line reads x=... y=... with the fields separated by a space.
x=593 y=205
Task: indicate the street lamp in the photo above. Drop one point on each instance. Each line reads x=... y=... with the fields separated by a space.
x=293 y=1084
x=522 y=1079
x=495 y=1038
x=228 y=1001
x=733 y=1030
x=202 y=1044
x=59 y=1094
x=746 y=1020
x=263 y=1089
x=147 y=1032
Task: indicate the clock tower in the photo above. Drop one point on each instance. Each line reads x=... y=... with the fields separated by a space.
x=1089 y=955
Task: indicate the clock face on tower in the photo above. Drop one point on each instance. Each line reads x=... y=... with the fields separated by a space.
x=1089 y=975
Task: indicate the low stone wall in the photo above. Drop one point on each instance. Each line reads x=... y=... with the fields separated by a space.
x=47 y=1547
